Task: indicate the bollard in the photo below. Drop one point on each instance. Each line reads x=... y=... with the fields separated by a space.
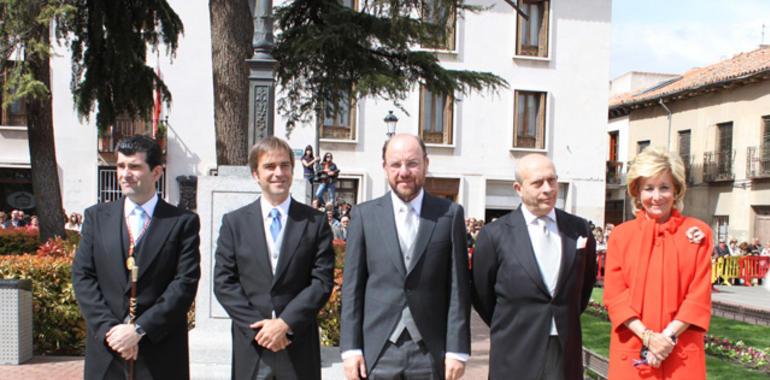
x=15 y=321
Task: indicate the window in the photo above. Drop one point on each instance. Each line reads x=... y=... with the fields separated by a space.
x=765 y=140
x=14 y=114
x=721 y=224
x=529 y=120
x=684 y=151
x=435 y=12
x=436 y=115
x=338 y=122
x=124 y=126
x=725 y=138
x=642 y=145
x=109 y=188
x=613 y=146
x=347 y=190
x=532 y=33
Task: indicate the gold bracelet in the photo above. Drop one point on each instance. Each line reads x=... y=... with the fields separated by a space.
x=646 y=335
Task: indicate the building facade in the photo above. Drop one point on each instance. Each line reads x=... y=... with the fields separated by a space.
x=717 y=118
x=556 y=64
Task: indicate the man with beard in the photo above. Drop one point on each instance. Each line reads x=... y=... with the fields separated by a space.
x=405 y=302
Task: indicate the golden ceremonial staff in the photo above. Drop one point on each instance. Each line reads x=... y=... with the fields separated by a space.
x=133 y=271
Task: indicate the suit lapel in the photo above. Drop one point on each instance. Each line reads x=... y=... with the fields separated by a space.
x=295 y=227
x=156 y=235
x=568 y=245
x=388 y=233
x=523 y=251
x=425 y=230
x=115 y=239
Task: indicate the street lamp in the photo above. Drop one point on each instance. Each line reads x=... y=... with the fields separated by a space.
x=390 y=123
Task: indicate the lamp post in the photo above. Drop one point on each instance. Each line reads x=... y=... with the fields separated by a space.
x=390 y=123
x=261 y=64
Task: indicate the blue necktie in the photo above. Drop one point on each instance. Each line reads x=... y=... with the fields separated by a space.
x=275 y=226
x=139 y=221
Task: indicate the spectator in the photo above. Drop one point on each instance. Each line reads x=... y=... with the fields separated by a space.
x=598 y=233
x=3 y=219
x=743 y=249
x=326 y=177
x=341 y=232
x=766 y=250
x=17 y=219
x=73 y=223
x=721 y=249
x=607 y=231
x=333 y=223
x=34 y=224
x=343 y=209
x=756 y=247
x=733 y=247
x=308 y=164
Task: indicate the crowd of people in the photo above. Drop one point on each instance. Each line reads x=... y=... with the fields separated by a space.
x=20 y=219
x=733 y=248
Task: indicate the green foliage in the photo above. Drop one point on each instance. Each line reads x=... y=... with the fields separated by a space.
x=58 y=327
x=327 y=51
x=109 y=53
x=329 y=316
x=17 y=241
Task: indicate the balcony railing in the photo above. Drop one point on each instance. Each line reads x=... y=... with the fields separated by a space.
x=123 y=127
x=615 y=175
x=758 y=162
x=718 y=166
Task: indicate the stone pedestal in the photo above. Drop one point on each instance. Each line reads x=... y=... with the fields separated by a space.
x=15 y=321
x=210 y=341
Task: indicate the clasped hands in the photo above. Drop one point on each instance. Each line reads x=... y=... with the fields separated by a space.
x=124 y=340
x=272 y=334
x=658 y=349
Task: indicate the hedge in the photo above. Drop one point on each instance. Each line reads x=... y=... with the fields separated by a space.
x=18 y=241
x=57 y=325
x=329 y=316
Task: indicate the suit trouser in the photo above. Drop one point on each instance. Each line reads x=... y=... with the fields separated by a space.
x=118 y=370
x=553 y=368
x=275 y=366
x=404 y=360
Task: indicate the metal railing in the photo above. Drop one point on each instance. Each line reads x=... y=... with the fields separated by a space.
x=718 y=166
x=109 y=187
x=758 y=162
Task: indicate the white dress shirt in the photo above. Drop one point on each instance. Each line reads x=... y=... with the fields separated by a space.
x=416 y=205
x=148 y=207
x=274 y=247
x=549 y=262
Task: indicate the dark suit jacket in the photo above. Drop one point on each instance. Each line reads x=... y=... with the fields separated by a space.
x=377 y=285
x=168 y=260
x=510 y=295
x=246 y=287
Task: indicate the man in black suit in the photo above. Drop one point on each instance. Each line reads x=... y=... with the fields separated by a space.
x=273 y=273
x=406 y=296
x=533 y=273
x=166 y=252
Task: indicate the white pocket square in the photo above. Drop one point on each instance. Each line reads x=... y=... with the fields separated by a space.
x=581 y=242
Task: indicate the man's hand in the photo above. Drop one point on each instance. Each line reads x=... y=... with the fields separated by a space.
x=454 y=368
x=124 y=340
x=272 y=334
x=355 y=367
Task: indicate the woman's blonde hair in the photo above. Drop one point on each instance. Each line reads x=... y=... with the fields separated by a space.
x=650 y=163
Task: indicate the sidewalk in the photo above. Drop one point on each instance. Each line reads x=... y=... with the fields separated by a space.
x=45 y=368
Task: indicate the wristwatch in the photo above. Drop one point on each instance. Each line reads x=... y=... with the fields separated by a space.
x=139 y=330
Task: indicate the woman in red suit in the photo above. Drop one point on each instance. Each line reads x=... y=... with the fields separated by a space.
x=658 y=282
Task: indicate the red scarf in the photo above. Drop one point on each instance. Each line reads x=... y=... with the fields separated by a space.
x=651 y=230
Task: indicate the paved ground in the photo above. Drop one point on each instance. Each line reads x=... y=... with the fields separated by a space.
x=755 y=297
x=71 y=368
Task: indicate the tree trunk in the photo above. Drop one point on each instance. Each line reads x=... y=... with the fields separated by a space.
x=42 y=151
x=232 y=28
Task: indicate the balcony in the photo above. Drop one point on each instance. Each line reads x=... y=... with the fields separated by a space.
x=758 y=162
x=718 y=166
x=614 y=175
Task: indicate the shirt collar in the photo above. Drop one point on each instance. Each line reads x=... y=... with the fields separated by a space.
x=529 y=217
x=283 y=207
x=415 y=203
x=148 y=207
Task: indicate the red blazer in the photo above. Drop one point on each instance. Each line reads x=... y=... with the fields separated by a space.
x=677 y=285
